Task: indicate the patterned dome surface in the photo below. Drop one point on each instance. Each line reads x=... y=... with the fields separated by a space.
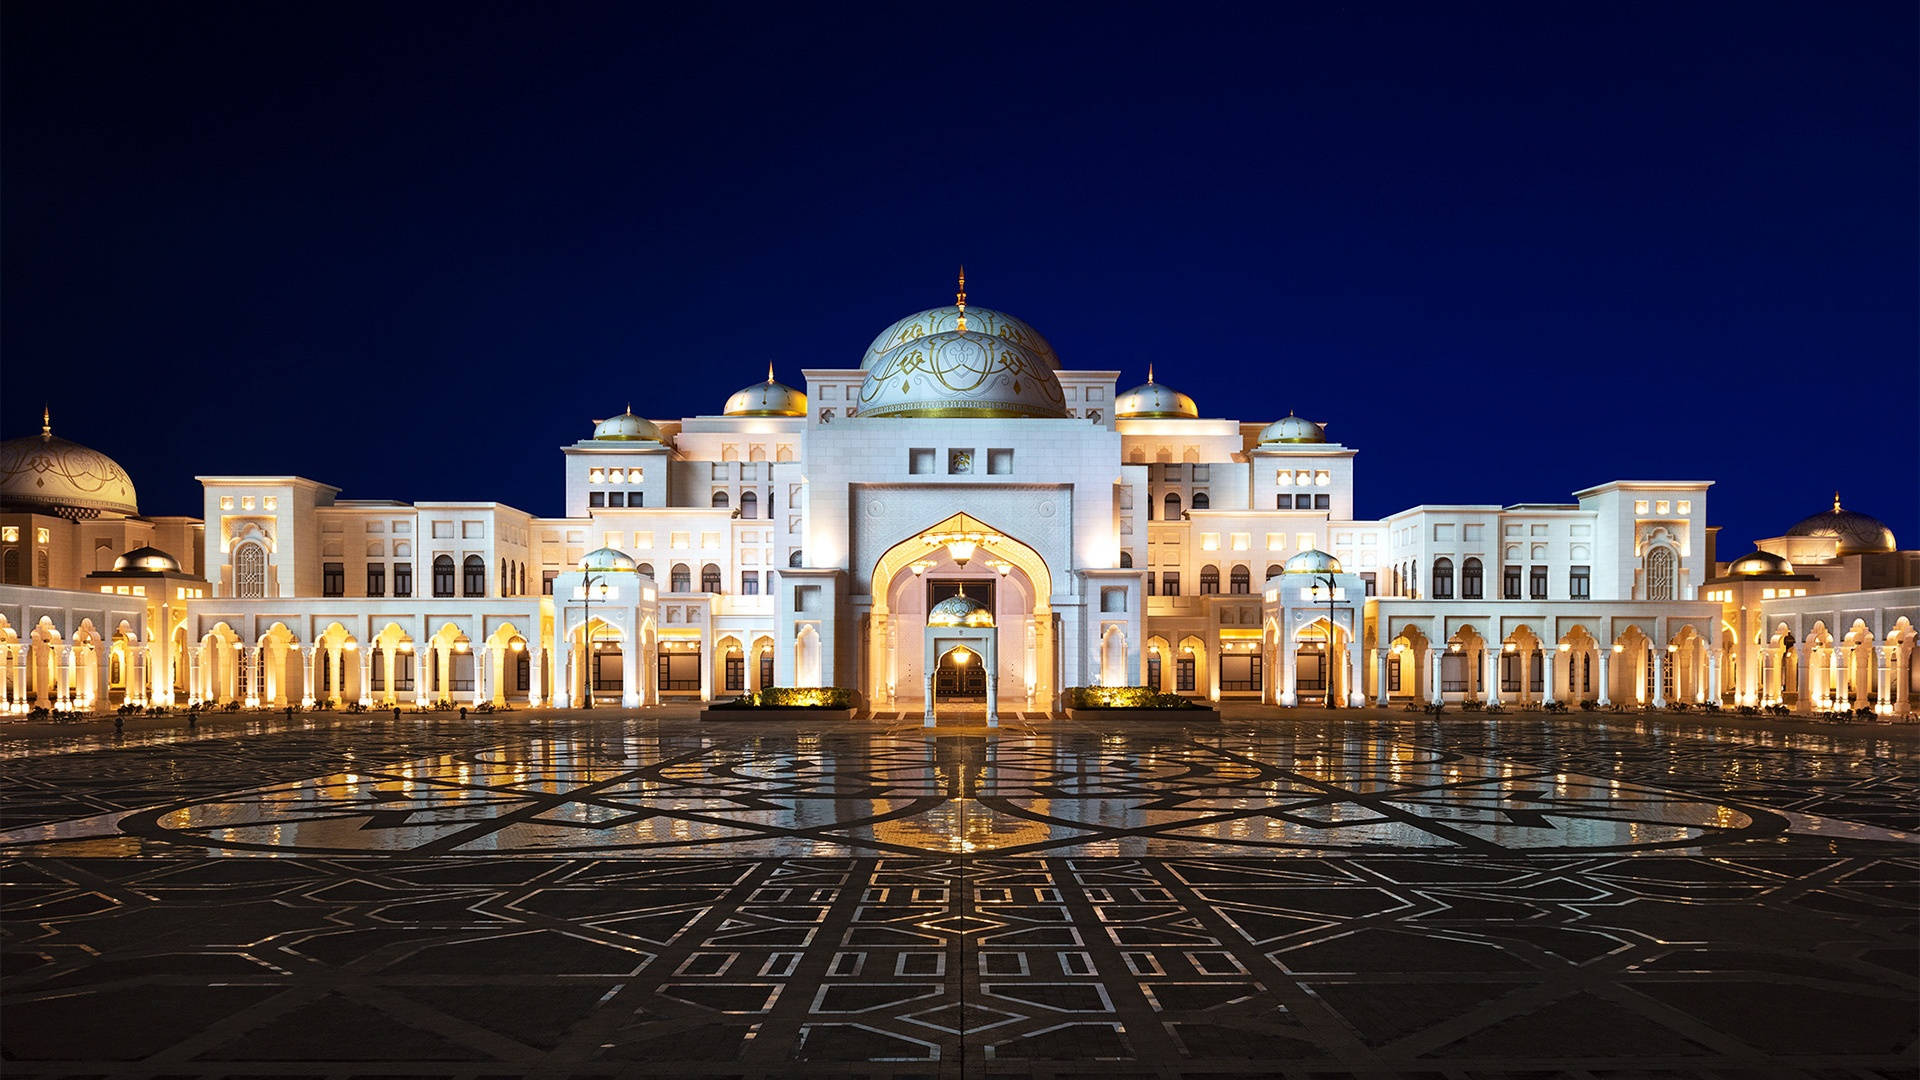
x=961 y=374
x=1858 y=533
x=943 y=320
x=959 y=610
x=48 y=473
x=1761 y=564
x=607 y=560
x=1312 y=562
x=1155 y=401
x=148 y=559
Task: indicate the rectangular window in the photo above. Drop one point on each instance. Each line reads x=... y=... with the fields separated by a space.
x=1303 y=502
x=999 y=462
x=546 y=581
x=1537 y=582
x=766 y=669
x=1323 y=502
x=1393 y=675
x=333 y=579
x=1151 y=591
x=403 y=579
x=736 y=673
x=1239 y=672
x=1304 y=541
x=750 y=583
x=1509 y=673
x=376 y=579
x=1579 y=582
x=596 y=498
x=1170 y=583
x=1183 y=675
x=1372 y=581
x=616 y=498
x=1153 y=670
x=1510 y=582
x=920 y=460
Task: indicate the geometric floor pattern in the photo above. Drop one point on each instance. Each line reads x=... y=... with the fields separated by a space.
x=1056 y=902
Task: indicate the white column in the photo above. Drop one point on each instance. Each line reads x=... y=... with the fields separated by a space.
x=1836 y=680
x=1604 y=655
x=1433 y=676
x=482 y=674
x=193 y=674
x=1803 y=691
x=926 y=686
x=562 y=696
x=1356 y=670
x=1713 y=674
x=1549 y=660
x=1884 y=679
x=1381 y=658
x=1659 y=676
x=102 y=676
x=1289 y=671
x=536 y=677
x=1492 y=652
x=990 y=656
x=630 y=689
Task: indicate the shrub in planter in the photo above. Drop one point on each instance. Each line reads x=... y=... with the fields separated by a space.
x=1747 y=710
x=1556 y=706
x=793 y=697
x=1471 y=705
x=1588 y=704
x=1123 y=697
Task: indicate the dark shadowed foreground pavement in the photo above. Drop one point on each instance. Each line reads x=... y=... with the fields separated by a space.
x=1280 y=894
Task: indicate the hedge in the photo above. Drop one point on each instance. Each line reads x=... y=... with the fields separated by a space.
x=1123 y=697
x=793 y=697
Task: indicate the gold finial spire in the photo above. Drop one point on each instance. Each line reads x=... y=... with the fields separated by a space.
x=1149 y=373
x=46 y=423
x=1836 y=502
x=769 y=373
x=961 y=298
x=629 y=408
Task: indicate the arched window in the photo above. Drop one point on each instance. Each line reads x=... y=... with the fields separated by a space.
x=474 y=575
x=720 y=501
x=1443 y=579
x=1209 y=580
x=749 y=505
x=523 y=579
x=1470 y=580
x=506 y=582
x=645 y=572
x=1173 y=506
x=443 y=575
x=1274 y=570
x=1239 y=581
x=1200 y=500
x=1126 y=560
x=710 y=578
x=10 y=567
x=249 y=571
x=680 y=579
x=1660 y=573
x=795 y=559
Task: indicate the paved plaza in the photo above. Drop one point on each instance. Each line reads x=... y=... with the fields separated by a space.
x=1277 y=894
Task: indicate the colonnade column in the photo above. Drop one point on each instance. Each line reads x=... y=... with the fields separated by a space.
x=1659 y=677
x=1603 y=657
x=1433 y=676
x=65 y=675
x=193 y=676
x=631 y=691
x=1381 y=658
x=1713 y=675
x=1549 y=665
x=1289 y=672
x=1357 y=671
x=1490 y=657
x=926 y=688
x=1802 y=689
x=536 y=676
x=562 y=696
x=1836 y=681
x=991 y=658
x=1884 y=680
x=102 y=675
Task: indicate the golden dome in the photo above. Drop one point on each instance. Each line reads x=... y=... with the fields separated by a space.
x=1858 y=533
x=1760 y=564
x=962 y=610
x=767 y=399
x=1312 y=562
x=47 y=474
x=1154 y=401
x=1293 y=429
x=146 y=560
x=626 y=428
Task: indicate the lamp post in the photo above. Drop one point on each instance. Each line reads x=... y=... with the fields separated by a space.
x=1327 y=675
x=586 y=634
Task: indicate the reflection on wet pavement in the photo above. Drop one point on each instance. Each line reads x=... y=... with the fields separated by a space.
x=1066 y=792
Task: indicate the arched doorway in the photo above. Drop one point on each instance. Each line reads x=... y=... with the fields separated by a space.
x=960 y=676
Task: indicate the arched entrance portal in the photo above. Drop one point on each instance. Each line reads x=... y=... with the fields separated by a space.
x=1014 y=657
x=960 y=676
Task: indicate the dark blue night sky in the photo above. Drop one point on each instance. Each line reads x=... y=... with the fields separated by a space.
x=1505 y=251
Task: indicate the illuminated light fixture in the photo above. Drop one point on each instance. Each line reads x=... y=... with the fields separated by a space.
x=962 y=657
x=1001 y=567
x=351 y=646
x=1513 y=646
x=1619 y=648
x=406 y=646
x=1564 y=647
x=461 y=646
x=961 y=545
x=1676 y=648
x=920 y=567
x=517 y=646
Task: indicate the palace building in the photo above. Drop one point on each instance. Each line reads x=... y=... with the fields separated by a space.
x=955 y=517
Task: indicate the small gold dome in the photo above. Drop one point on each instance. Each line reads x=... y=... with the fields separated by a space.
x=626 y=428
x=1293 y=429
x=1155 y=401
x=767 y=399
x=607 y=561
x=148 y=560
x=962 y=610
x=1760 y=564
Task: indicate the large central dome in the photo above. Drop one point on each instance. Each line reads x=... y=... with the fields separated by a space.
x=47 y=474
x=961 y=361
